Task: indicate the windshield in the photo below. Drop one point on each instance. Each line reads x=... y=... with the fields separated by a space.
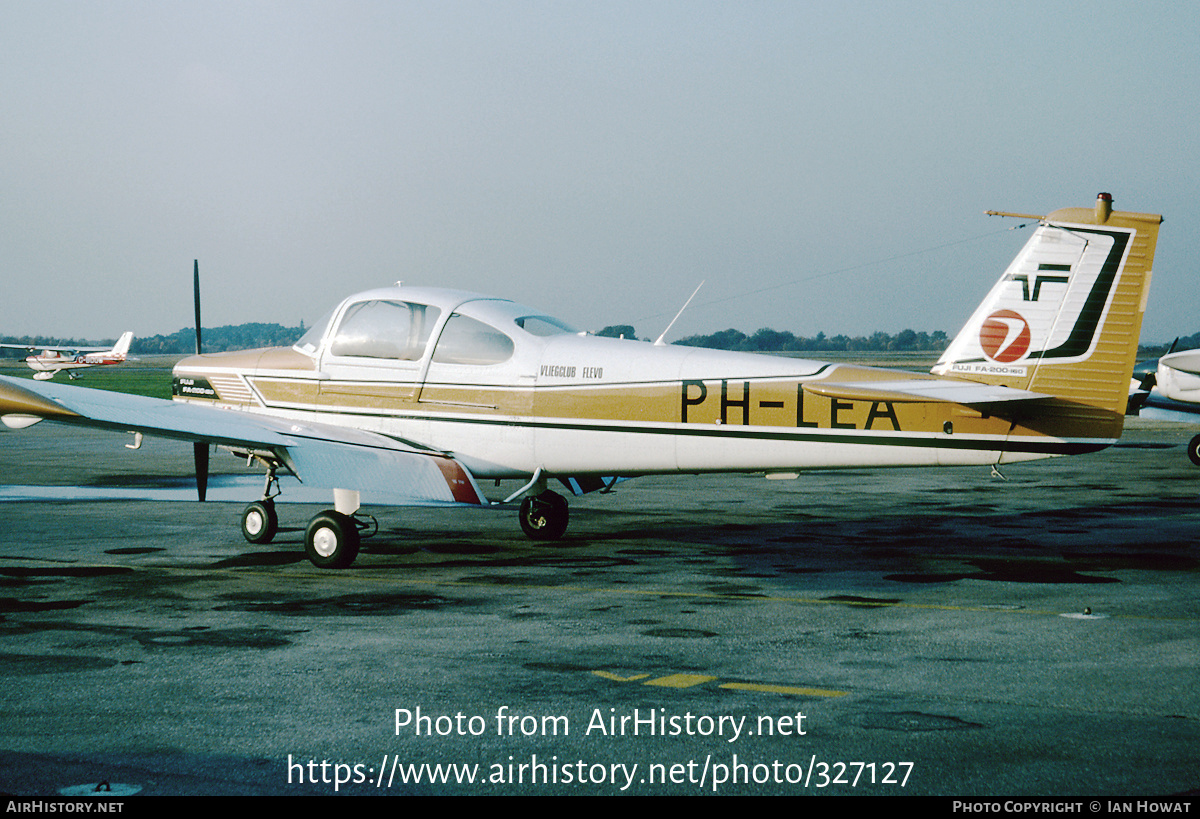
x=311 y=340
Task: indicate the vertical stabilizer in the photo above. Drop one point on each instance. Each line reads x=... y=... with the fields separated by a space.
x=1065 y=317
x=122 y=346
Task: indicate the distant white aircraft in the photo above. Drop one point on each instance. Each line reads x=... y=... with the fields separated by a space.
x=415 y=392
x=1170 y=392
x=53 y=360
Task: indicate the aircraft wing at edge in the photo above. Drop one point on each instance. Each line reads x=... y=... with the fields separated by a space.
x=320 y=455
x=968 y=393
x=1186 y=361
x=51 y=348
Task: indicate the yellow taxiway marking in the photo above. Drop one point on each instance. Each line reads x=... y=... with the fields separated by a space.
x=784 y=689
x=615 y=678
x=690 y=680
x=681 y=680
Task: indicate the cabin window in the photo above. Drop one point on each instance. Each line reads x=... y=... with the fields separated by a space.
x=467 y=341
x=544 y=326
x=384 y=329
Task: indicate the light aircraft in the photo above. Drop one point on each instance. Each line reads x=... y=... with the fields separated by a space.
x=53 y=360
x=413 y=394
x=1170 y=390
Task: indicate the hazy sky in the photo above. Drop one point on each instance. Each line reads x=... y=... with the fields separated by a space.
x=823 y=166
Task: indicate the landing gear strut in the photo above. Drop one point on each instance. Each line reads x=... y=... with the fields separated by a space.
x=544 y=516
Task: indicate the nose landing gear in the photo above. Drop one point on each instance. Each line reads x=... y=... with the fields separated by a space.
x=260 y=523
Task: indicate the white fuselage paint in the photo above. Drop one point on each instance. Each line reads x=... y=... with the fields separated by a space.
x=575 y=367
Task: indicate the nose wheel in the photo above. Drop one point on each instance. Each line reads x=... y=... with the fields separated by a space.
x=544 y=516
x=260 y=522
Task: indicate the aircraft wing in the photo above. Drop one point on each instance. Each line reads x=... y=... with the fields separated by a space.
x=968 y=393
x=1185 y=361
x=50 y=348
x=1177 y=378
x=321 y=455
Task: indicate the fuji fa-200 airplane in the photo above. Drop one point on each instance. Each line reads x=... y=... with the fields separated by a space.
x=1170 y=390
x=412 y=395
x=53 y=360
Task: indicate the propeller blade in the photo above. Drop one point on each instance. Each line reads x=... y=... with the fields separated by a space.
x=199 y=450
x=201 y=454
x=196 y=299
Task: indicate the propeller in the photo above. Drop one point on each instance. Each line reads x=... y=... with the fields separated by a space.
x=1148 y=370
x=199 y=450
x=1150 y=377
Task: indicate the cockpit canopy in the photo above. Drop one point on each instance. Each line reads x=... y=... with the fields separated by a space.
x=398 y=324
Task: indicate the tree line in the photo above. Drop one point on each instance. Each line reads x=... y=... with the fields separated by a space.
x=765 y=340
x=1191 y=342
x=181 y=342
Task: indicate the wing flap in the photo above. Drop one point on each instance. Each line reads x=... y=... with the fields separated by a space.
x=398 y=476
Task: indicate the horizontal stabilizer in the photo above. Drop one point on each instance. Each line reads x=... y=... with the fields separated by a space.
x=968 y=393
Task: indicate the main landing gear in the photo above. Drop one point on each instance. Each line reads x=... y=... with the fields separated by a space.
x=333 y=537
x=331 y=540
x=544 y=516
x=1194 y=450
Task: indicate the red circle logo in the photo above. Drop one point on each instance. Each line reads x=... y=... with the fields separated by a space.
x=1004 y=336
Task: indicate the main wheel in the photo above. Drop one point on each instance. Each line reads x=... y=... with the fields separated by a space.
x=1194 y=450
x=259 y=522
x=545 y=517
x=331 y=540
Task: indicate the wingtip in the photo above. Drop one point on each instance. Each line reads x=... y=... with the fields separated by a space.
x=18 y=400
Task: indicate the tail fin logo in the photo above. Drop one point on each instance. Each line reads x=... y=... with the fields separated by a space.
x=1004 y=336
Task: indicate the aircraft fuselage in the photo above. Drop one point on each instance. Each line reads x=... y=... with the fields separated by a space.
x=578 y=405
